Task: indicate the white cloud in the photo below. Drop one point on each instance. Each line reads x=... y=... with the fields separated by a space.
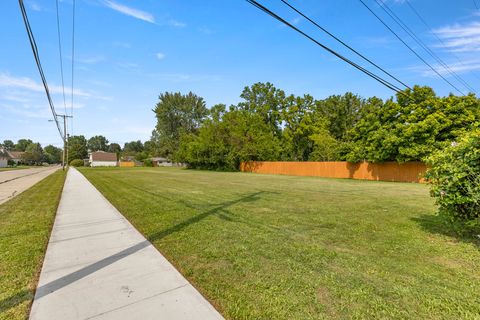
x=34 y=6
x=177 y=24
x=462 y=67
x=91 y=59
x=461 y=38
x=132 y=12
x=26 y=83
x=28 y=112
x=296 y=21
x=160 y=55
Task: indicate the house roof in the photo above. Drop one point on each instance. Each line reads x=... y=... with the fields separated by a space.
x=159 y=159
x=104 y=156
x=15 y=154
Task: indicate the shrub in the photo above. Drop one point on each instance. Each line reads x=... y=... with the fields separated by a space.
x=147 y=163
x=454 y=178
x=76 y=163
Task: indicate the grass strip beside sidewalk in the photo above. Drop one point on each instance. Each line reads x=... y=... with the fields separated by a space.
x=25 y=225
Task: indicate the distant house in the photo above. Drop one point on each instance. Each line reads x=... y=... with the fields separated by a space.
x=103 y=159
x=3 y=158
x=161 y=162
x=16 y=156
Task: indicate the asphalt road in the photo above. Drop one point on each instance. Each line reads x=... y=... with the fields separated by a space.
x=14 y=182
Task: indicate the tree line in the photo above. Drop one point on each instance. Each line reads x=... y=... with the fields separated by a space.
x=79 y=147
x=269 y=125
x=33 y=153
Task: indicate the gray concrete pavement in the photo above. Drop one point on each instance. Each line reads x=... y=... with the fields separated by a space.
x=14 y=182
x=98 y=266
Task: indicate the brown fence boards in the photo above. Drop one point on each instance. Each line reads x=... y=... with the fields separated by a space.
x=386 y=171
x=128 y=164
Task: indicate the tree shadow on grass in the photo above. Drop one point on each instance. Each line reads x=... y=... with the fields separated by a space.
x=14 y=300
x=68 y=279
x=441 y=225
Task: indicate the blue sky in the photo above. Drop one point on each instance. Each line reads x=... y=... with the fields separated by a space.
x=128 y=52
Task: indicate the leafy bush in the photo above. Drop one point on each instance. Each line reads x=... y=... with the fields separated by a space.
x=76 y=163
x=148 y=163
x=454 y=178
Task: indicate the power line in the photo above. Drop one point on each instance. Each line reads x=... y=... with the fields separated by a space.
x=36 y=56
x=60 y=54
x=73 y=64
x=384 y=6
x=355 y=65
x=410 y=48
x=344 y=44
x=415 y=11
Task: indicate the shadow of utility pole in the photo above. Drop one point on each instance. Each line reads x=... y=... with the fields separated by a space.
x=87 y=270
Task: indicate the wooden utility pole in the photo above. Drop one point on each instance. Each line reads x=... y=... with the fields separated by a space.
x=65 y=139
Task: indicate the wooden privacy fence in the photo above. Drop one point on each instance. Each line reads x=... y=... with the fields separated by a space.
x=128 y=164
x=386 y=171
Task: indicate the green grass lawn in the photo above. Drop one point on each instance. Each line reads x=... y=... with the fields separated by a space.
x=25 y=224
x=280 y=247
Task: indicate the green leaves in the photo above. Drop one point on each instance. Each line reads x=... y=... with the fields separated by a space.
x=177 y=114
x=454 y=178
x=418 y=124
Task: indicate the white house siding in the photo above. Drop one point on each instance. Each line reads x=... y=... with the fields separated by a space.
x=164 y=164
x=3 y=163
x=103 y=164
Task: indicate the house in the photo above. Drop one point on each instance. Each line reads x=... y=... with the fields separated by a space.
x=103 y=159
x=161 y=162
x=3 y=158
x=16 y=156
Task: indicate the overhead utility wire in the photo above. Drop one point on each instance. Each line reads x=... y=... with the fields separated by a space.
x=343 y=43
x=73 y=65
x=60 y=54
x=435 y=34
x=422 y=44
x=39 y=65
x=410 y=48
x=369 y=73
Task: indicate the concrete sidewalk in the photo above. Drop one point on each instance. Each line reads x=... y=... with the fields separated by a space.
x=98 y=266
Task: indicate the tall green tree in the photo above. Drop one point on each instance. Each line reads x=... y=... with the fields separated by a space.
x=77 y=148
x=133 y=147
x=53 y=154
x=177 y=114
x=240 y=136
x=22 y=144
x=266 y=101
x=342 y=113
x=8 y=144
x=33 y=154
x=413 y=127
x=114 y=147
x=97 y=143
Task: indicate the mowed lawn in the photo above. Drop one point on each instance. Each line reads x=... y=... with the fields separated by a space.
x=25 y=224
x=280 y=247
